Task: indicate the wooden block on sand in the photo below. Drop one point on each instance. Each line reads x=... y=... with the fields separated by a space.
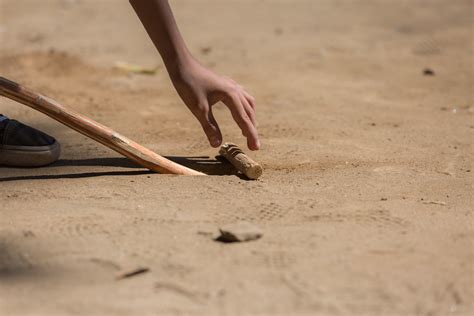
x=241 y=161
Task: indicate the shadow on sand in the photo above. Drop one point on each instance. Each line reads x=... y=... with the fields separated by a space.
x=14 y=265
x=203 y=164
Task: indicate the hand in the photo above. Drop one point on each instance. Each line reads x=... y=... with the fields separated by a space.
x=200 y=89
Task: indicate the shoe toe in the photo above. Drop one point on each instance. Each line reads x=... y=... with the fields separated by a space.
x=19 y=134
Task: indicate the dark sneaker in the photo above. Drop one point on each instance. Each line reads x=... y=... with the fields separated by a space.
x=24 y=146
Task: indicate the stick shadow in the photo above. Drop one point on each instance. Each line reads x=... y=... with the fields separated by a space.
x=203 y=164
x=214 y=167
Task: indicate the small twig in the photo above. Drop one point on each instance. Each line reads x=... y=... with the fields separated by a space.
x=131 y=273
x=435 y=202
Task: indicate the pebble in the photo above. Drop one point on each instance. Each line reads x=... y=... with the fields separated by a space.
x=428 y=72
x=239 y=231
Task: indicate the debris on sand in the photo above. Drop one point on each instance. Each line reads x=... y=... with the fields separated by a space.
x=206 y=50
x=131 y=68
x=428 y=72
x=207 y=233
x=28 y=233
x=435 y=202
x=131 y=272
x=238 y=232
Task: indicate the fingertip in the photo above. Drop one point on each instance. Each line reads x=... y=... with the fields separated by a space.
x=253 y=144
x=215 y=141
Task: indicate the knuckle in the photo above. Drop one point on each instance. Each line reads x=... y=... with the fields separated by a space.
x=247 y=121
x=233 y=86
x=202 y=106
x=206 y=127
x=202 y=116
x=232 y=96
x=230 y=80
x=232 y=90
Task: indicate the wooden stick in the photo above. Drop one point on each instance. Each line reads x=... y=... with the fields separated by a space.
x=92 y=129
x=241 y=161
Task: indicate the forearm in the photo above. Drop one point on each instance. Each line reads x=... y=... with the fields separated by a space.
x=158 y=20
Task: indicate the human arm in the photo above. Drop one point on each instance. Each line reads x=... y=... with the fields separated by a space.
x=198 y=87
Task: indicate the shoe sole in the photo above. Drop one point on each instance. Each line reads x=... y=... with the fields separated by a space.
x=29 y=156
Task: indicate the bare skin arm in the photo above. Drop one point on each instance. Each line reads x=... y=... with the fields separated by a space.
x=198 y=87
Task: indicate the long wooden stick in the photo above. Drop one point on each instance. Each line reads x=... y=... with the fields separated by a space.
x=92 y=129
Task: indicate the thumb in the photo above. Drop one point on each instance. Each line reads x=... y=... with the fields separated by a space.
x=211 y=128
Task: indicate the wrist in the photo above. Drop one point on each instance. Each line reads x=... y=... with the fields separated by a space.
x=179 y=63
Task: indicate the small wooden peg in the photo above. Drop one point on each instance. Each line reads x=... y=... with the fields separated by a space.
x=241 y=161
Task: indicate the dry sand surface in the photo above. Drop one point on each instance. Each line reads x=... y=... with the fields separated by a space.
x=366 y=202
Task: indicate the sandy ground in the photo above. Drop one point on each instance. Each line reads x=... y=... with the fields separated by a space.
x=367 y=197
